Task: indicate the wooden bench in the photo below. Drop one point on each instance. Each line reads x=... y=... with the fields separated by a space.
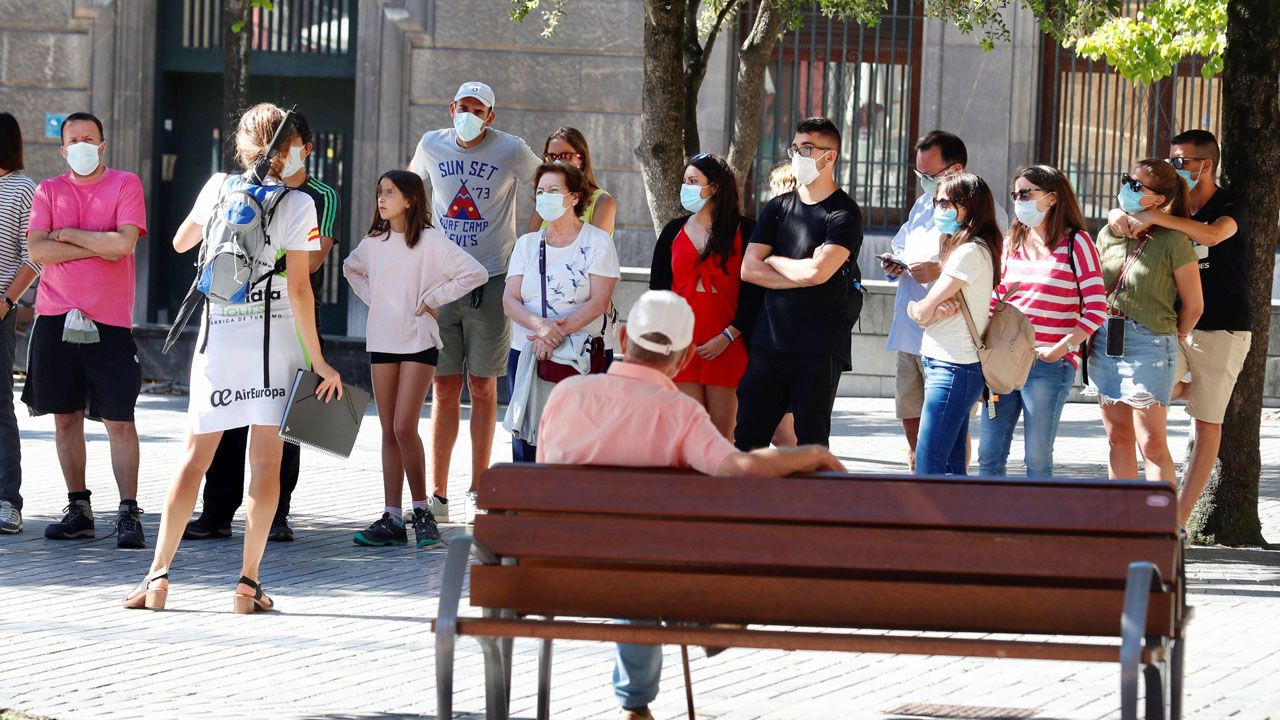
x=1097 y=560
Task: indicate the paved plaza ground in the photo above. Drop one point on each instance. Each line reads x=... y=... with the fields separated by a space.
x=352 y=640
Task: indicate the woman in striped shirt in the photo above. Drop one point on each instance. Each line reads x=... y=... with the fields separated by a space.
x=1059 y=288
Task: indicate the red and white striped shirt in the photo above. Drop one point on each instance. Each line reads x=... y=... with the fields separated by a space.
x=1047 y=291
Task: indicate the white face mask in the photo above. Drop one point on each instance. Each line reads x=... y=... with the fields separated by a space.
x=467 y=126
x=550 y=206
x=804 y=168
x=293 y=163
x=83 y=158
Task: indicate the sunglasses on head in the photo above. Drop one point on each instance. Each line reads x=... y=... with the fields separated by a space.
x=700 y=156
x=1134 y=185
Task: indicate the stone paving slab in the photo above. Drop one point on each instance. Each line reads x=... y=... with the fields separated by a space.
x=352 y=640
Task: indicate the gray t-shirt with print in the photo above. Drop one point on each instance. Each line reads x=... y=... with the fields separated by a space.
x=473 y=190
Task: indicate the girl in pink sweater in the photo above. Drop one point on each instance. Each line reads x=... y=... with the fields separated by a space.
x=404 y=270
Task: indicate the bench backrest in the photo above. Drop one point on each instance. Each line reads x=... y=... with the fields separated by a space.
x=956 y=554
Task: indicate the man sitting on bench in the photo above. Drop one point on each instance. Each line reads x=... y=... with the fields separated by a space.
x=634 y=416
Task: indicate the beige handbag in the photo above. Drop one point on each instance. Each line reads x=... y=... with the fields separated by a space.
x=1007 y=350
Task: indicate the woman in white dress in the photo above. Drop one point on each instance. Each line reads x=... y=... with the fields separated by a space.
x=228 y=387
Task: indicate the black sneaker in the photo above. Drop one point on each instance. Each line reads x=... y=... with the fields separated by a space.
x=385 y=531
x=77 y=523
x=129 y=528
x=424 y=528
x=280 y=530
x=203 y=528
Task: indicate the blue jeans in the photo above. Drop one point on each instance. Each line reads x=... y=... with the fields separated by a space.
x=636 y=672
x=950 y=390
x=1040 y=403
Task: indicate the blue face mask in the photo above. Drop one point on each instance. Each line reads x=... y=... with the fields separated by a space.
x=1186 y=175
x=946 y=221
x=1130 y=200
x=1027 y=213
x=691 y=197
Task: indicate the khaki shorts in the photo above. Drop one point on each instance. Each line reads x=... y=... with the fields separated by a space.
x=909 y=399
x=1214 y=359
x=475 y=340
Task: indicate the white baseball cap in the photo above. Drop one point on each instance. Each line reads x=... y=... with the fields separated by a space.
x=477 y=90
x=661 y=311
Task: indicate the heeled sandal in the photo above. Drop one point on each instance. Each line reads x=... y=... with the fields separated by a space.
x=146 y=596
x=249 y=604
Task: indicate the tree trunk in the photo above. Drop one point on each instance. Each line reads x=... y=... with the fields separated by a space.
x=661 y=149
x=235 y=73
x=695 y=69
x=753 y=58
x=1228 y=510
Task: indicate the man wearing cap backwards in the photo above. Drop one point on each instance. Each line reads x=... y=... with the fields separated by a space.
x=633 y=416
x=472 y=171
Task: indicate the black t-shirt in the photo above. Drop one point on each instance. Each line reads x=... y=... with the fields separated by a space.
x=1224 y=271
x=328 y=218
x=808 y=319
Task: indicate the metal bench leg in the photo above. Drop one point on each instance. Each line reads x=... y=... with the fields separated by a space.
x=1175 y=677
x=1153 y=681
x=1143 y=578
x=496 y=705
x=544 y=680
x=455 y=572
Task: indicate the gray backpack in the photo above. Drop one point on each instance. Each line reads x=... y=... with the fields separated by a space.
x=235 y=236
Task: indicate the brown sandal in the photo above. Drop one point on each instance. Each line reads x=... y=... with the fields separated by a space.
x=249 y=604
x=147 y=596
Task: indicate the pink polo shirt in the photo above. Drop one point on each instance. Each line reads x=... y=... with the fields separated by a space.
x=101 y=289
x=633 y=416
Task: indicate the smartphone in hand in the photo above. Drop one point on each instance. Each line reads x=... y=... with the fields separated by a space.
x=889 y=259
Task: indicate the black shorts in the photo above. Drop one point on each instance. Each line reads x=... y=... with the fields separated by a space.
x=103 y=379
x=430 y=356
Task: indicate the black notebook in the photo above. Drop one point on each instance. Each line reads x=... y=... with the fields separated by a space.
x=330 y=427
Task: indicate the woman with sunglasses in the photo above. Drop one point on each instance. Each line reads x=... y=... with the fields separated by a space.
x=1054 y=266
x=699 y=257
x=1133 y=357
x=569 y=145
x=970 y=251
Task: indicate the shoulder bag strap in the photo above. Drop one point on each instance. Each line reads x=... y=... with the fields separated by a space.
x=542 y=269
x=1115 y=284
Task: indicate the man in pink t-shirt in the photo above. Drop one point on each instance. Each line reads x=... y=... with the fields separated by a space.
x=634 y=416
x=83 y=229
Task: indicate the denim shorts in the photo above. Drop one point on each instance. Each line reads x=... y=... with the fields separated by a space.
x=1143 y=376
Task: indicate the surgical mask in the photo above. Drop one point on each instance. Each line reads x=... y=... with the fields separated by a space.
x=1130 y=200
x=83 y=157
x=1186 y=175
x=550 y=206
x=293 y=163
x=946 y=221
x=928 y=185
x=691 y=197
x=805 y=169
x=1027 y=213
x=467 y=126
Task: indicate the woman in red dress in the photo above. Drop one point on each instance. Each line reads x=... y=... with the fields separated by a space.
x=699 y=257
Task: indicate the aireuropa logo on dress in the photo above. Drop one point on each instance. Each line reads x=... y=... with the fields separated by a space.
x=226 y=396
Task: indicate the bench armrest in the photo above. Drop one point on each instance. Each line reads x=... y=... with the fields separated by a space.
x=455 y=574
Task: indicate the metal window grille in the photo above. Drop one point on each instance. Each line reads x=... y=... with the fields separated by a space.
x=313 y=27
x=1095 y=124
x=865 y=79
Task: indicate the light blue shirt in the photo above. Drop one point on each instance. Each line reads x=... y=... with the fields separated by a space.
x=917 y=241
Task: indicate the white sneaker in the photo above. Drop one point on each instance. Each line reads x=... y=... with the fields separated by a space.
x=10 y=518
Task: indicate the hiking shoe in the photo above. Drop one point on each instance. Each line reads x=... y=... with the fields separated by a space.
x=386 y=530
x=202 y=528
x=424 y=528
x=280 y=530
x=129 y=528
x=76 y=523
x=10 y=518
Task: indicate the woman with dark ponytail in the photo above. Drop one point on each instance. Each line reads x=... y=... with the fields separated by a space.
x=699 y=257
x=1134 y=356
